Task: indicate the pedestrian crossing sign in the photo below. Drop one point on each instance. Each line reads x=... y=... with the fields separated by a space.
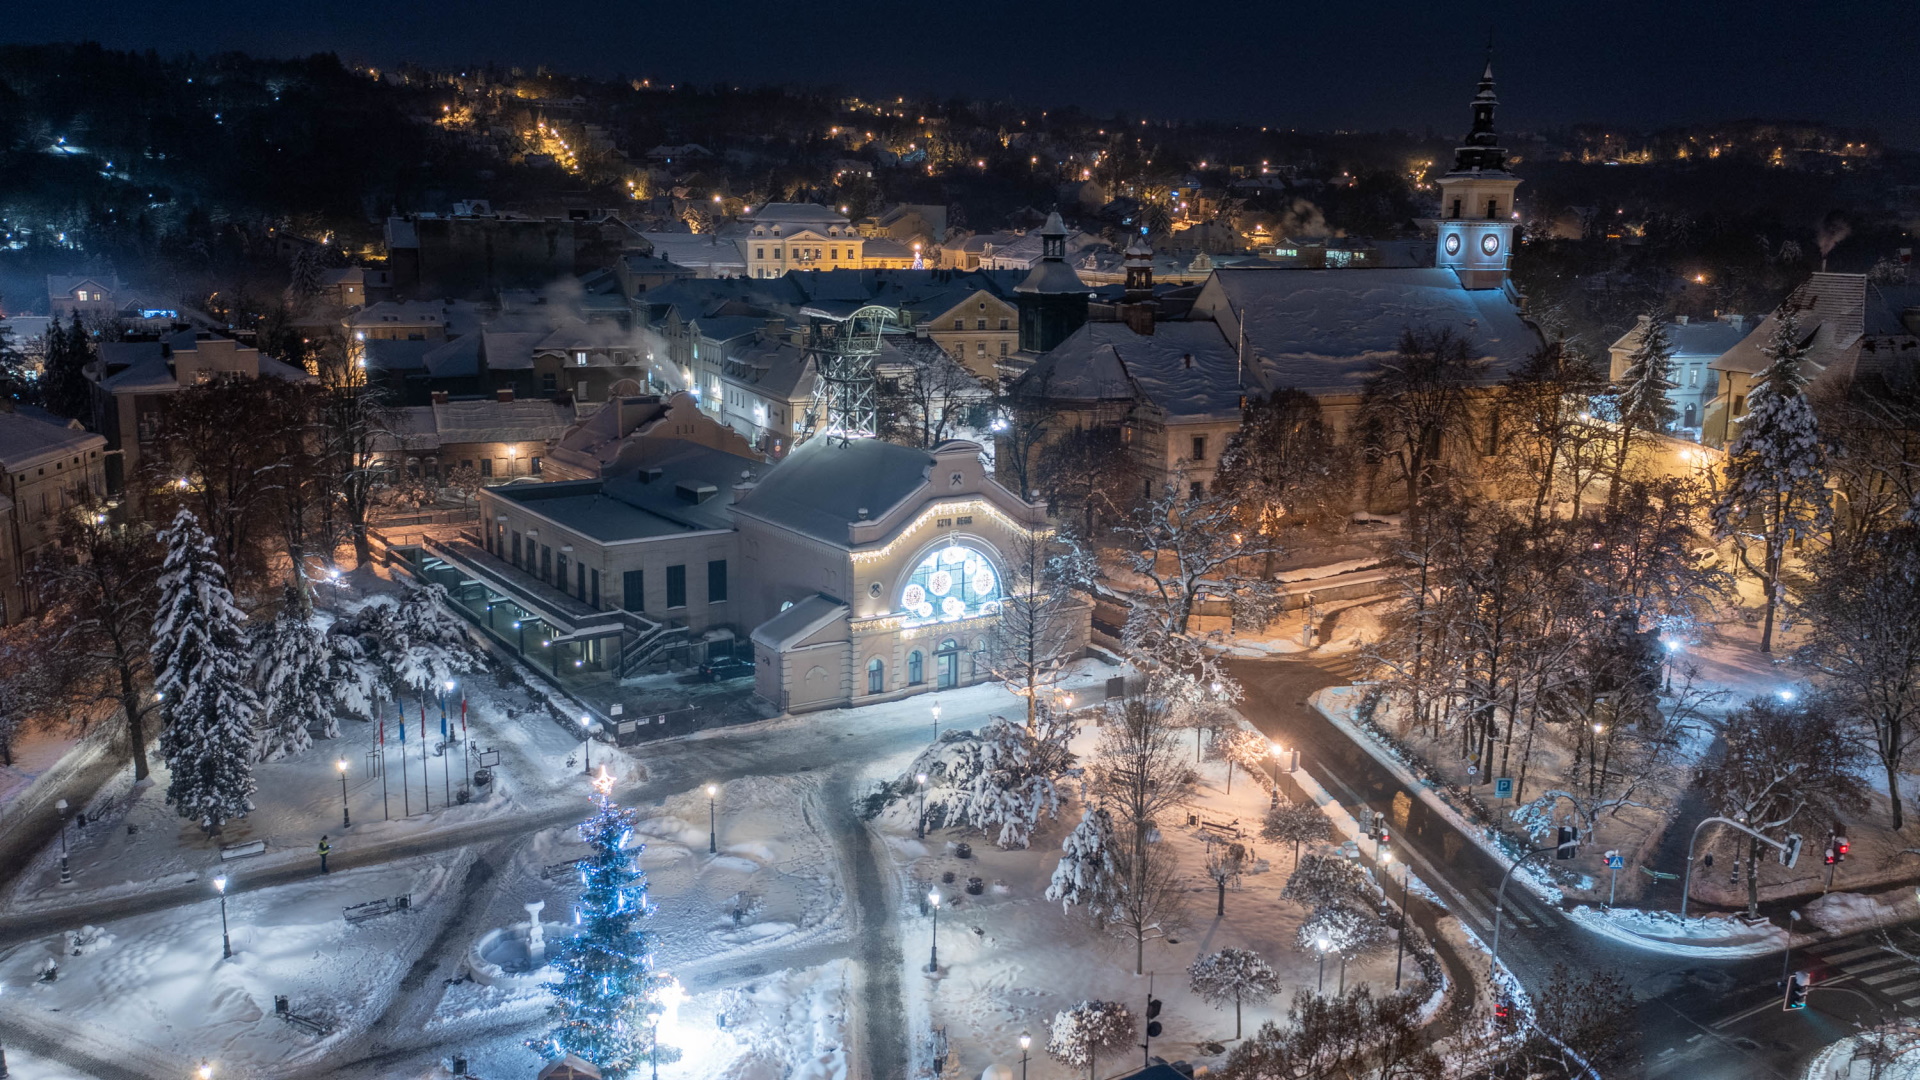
x=1616 y=861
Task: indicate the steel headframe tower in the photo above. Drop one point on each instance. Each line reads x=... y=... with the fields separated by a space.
x=845 y=394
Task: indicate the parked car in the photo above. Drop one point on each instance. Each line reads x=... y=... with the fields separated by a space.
x=727 y=667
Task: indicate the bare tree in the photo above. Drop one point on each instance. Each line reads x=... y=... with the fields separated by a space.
x=1540 y=411
x=1415 y=409
x=1582 y=1026
x=1862 y=612
x=1089 y=470
x=1285 y=467
x=101 y=597
x=1786 y=763
x=925 y=395
x=1140 y=775
x=1352 y=1036
x=1296 y=823
x=1041 y=613
x=1226 y=862
x=1233 y=976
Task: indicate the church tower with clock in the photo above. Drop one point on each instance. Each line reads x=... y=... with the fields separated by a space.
x=1476 y=222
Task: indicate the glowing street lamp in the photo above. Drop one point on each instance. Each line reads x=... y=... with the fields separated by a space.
x=1026 y=1042
x=226 y=940
x=713 y=835
x=346 y=816
x=586 y=735
x=920 y=779
x=1322 y=945
x=936 y=722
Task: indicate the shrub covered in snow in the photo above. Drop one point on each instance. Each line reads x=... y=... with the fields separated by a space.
x=1233 y=976
x=1077 y=1035
x=1087 y=874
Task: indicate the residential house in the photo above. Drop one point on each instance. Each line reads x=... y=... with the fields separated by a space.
x=1696 y=344
x=620 y=432
x=90 y=296
x=132 y=381
x=796 y=236
x=499 y=437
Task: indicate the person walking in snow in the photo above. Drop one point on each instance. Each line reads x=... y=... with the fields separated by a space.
x=325 y=848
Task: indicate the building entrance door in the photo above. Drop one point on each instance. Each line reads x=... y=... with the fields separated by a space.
x=947 y=663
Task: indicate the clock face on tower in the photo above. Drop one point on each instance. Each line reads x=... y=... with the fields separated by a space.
x=1453 y=243
x=1490 y=244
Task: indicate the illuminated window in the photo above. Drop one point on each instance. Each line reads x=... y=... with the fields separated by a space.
x=876 y=676
x=951 y=583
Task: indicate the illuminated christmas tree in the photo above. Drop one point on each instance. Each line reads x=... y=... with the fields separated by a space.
x=608 y=1001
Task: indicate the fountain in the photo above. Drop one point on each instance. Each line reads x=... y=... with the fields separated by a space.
x=516 y=956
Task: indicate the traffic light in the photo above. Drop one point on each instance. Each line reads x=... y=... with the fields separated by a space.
x=1791 y=853
x=1386 y=836
x=1153 y=1024
x=1830 y=857
x=1502 y=1013
x=1569 y=843
x=1840 y=848
x=1796 y=992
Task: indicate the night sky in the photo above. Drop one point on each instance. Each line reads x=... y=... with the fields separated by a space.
x=1370 y=64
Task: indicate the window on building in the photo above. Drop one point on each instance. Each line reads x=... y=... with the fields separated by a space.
x=1456 y=209
x=980 y=349
x=534 y=464
x=593 y=583
x=1739 y=404
x=759 y=253
x=916 y=668
x=960 y=350
x=549 y=383
x=1199 y=448
x=1493 y=209
x=466 y=463
x=776 y=253
x=876 y=675
x=1693 y=375
x=579 y=359
x=580 y=580
x=959 y=324
x=1003 y=323
x=546 y=562
x=1003 y=348
x=633 y=586
x=1196 y=489
x=516 y=549
x=560 y=578
x=676 y=586
x=979 y=324
x=833 y=253
x=717 y=581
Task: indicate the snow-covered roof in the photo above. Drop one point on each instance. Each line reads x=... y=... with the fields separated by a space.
x=1326 y=331
x=773 y=368
x=667 y=487
x=1691 y=339
x=27 y=439
x=1832 y=312
x=799 y=622
x=397 y=354
x=1188 y=369
x=821 y=487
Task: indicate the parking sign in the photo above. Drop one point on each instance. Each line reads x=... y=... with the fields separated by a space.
x=1503 y=788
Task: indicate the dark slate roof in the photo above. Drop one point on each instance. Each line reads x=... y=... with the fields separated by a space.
x=820 y=488
x=795 y=623
x=650 y=498
x=393 y=354
x=1326 y=331
x=1186 y=368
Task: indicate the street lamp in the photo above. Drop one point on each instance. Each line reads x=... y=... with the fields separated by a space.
x=1273 y=770
x=586 y=735
x=1322 y=945
x=921 y=827
x=1026 y=1042
x=66 y=874
x=936 y=722
x=205 y=1071
x=1672 y=647
x=713 y=835
x=933 y=954
x=346 y=816
x=226 y=941
x=1406 y=913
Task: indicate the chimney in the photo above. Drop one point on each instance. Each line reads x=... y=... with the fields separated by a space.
x=1139 y=317
x=439 y=397
x=505 y=393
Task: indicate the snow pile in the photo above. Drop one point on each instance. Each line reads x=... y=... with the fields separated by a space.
x=1845 y=913
x=792 y=1026
x=1705 y=937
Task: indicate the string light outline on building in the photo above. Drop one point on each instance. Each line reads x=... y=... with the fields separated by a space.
x=935 y=510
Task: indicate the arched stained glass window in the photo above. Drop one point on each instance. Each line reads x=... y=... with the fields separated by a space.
x=951 y=583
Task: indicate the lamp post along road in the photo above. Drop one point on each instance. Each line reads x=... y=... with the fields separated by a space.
x=226 y=940
x=1026 y=1041
x=66 y=874
x=1789 y=853
x=586 y=733
x=920 y=830
x=713 y=832
x=1321 y=947
x=346 y=815
x=933 y=953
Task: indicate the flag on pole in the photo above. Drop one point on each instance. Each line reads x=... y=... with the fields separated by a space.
x=423 y=719
x=463 y=716
x=401 y=706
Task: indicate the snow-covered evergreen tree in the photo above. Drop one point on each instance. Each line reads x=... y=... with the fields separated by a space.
x=295 y=696
x=1077 y=1035
x=607 y=1001
x=1776 y=471
x=1019 y=775
x=1087 y=874
x=200 y=662
x=1233 y=976
x=412 y=639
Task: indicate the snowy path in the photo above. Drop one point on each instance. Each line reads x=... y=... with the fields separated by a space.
x=882 y=1027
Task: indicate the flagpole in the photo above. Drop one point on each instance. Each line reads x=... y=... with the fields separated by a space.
x=466 y=761
x=386 y=808
x=406 y=797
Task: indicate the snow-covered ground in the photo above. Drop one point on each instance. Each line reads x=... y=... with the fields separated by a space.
x=1010 y=959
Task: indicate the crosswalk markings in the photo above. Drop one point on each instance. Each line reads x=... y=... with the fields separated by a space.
x=1865 y=966
x=1900 y=988
x=1910 y=1002
x=1850 y=954
x=1888 y=976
